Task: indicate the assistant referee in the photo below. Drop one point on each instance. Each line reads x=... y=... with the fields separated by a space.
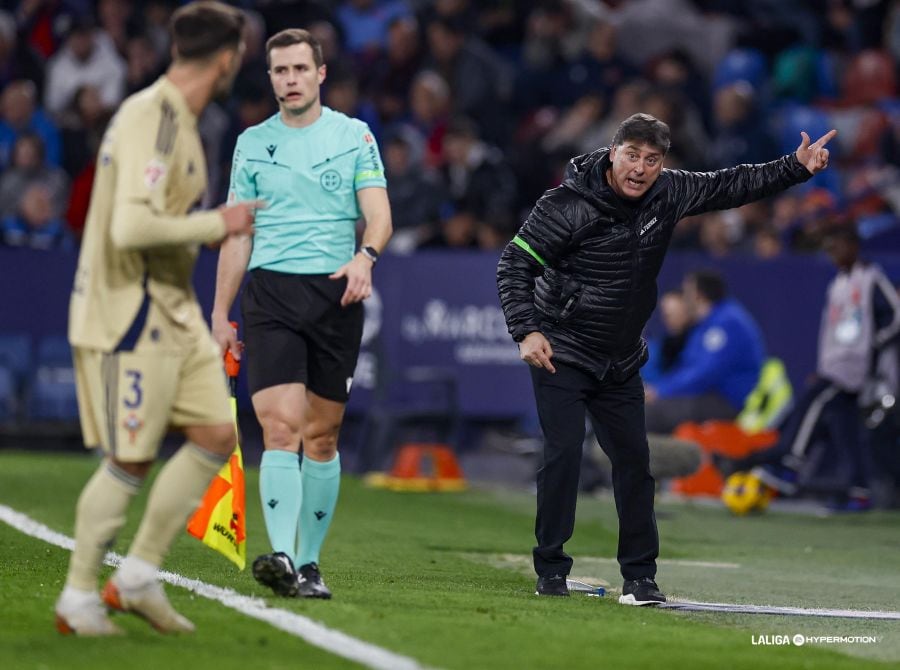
x=317 y=170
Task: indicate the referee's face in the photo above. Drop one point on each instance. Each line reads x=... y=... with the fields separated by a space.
x=295 y=77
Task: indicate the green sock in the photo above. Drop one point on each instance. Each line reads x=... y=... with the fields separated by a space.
x=321 y=483
x=279 y=490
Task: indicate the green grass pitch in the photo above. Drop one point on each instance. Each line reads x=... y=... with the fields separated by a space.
x=445 y=579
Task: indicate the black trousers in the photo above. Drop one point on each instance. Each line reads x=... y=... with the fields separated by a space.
x=824 y=411
x=616 y=411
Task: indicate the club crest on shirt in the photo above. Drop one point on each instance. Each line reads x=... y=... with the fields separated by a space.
x=132 y=424
x=154 y=172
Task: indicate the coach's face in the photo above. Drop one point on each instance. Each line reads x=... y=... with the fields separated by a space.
x=635 y=167
x=295 y=77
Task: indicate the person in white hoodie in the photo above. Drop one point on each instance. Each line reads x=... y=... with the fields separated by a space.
x=88 y=57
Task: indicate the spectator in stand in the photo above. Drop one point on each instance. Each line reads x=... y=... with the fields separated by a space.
x=341 y=93
x=415 y=192
x=666 y=348
x=767 y=244
x=34 y=225
x=429 y=106
x=598 y=71
x=393 y=73
x=115 y=21
x=155 y=23
x=478 y=178
x=715 y=236
x=675 y=71
x=20 y=114
x=740 y=132
x=720 y=363
x=83 y=124
x=365 y=25
x=479 y=81
x=458 y=230
x=143 y=63
x=18 y=59
x=87 y=57
x=688 y=135
x=253 y=65
x=28 y=167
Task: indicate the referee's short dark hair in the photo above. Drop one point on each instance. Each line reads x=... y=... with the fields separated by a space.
x=200 y=29
x=293 y=36
x=643 y=129
x=710 y=284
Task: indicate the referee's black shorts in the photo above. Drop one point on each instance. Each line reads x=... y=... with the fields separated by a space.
x=295 y=331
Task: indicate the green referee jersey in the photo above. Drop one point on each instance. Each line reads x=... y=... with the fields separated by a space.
x=309 y=178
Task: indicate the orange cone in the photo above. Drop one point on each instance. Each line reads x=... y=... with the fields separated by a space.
x=421 y=467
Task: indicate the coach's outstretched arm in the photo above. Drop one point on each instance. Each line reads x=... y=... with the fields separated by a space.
x=700 y=192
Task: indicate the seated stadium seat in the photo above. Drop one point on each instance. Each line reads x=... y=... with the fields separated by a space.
x=791 y=118
x=753 y=430
x=869 y=78
x=741 y=65
x=803 y=74
x=51 y=394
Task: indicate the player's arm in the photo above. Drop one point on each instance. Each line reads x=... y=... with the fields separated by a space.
x=234 y=256
x=144 y=166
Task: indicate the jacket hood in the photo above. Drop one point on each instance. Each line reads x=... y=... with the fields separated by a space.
x=584 y=175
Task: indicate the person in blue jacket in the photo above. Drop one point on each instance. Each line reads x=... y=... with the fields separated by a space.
x=720 y=363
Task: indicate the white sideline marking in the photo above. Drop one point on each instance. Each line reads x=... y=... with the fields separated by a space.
x=314 y=633
x=519 y=558
x=676 y=604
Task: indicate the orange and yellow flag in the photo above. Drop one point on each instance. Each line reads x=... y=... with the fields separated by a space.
x=220 y=521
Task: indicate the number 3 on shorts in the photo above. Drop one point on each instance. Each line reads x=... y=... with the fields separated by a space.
x=136 y=396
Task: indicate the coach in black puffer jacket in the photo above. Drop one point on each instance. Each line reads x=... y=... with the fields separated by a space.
x=577 y=285
x=596 y=256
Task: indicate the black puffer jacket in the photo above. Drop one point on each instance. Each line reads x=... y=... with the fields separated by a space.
x=582 y=269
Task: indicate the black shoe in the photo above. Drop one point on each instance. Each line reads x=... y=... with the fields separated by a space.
x=277 y=572
x=310 y=584
x=641 y=591
x=551 y=586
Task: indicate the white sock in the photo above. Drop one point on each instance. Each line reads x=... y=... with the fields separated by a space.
x=135 y=572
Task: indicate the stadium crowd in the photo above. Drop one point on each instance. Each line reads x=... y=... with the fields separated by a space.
x=479 y=105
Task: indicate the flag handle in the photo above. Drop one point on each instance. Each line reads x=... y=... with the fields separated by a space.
x=232 y=366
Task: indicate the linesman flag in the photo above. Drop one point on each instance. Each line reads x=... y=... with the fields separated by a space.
x=220 y=522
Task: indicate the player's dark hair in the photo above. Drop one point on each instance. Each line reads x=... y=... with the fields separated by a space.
x=293 y=36
x=643 y=129
x=710 y=284
x=201 y=29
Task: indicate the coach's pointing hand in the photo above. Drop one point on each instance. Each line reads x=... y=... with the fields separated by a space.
x=814 y=156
